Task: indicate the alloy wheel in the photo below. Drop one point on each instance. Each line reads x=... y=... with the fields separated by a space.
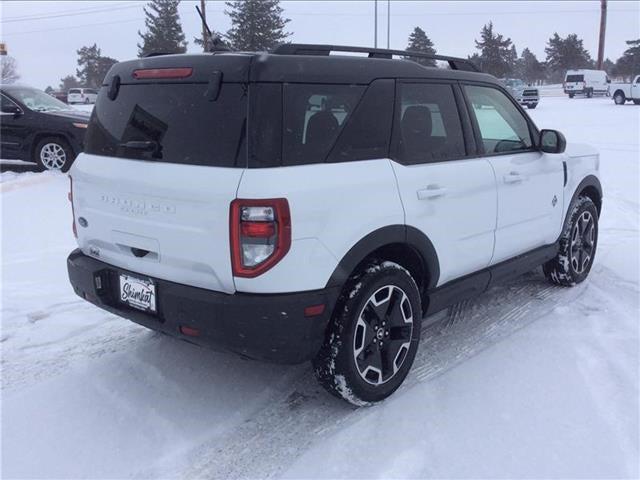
x=383 y=334
x=582 y=242
x=53 y=156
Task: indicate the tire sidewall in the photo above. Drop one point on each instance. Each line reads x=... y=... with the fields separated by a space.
x=63 y=144
x=358 y=390
x=583 y=205
x=618 y=99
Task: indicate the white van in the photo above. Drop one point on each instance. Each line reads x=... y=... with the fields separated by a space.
x=586 y=82
x=82 y=95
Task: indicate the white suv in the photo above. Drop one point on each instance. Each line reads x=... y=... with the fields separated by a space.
x=82 y=95
x=298 y=206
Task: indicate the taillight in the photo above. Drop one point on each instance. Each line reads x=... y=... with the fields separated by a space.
x=260 y=232
x=152 y=73
x=73 y=213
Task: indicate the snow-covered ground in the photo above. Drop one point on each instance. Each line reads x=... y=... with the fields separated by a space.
x=530 y=380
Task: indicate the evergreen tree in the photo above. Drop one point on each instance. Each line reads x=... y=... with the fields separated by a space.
x=628 y=64
x=49 y=89
x=9 y=69
x=496 y=52
x=565 y=54
x=164 y=31
x=93 y=66
x=419 y=42
x=529 y=68
x=608 y=66
x=69 y=82
x=256 y=25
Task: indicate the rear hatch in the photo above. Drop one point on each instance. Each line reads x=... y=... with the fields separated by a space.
x=574 y=82
x=164 y=154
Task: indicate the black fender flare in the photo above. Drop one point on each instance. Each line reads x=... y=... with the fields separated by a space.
x=391 y=234
x=588 y=181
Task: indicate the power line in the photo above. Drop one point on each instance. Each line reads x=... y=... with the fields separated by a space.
x=68 y=13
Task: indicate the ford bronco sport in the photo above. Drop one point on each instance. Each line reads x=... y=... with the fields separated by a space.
x=297 y=205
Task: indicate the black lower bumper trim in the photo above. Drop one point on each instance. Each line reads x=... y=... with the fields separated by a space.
x=269 y=327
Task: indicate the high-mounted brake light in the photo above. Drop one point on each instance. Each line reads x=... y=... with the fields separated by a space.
x=154 y=73
x=73 y=213
x=260 y=234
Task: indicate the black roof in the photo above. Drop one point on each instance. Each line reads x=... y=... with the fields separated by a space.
x=299 y=65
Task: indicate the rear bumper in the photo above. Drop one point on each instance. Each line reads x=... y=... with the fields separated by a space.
x=269 y=327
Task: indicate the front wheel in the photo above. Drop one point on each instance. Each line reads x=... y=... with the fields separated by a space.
x=571 y=95
x=636 y=102
x=373 y=336
x=578 y=244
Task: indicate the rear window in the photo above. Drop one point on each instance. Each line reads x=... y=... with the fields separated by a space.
x=171 y=123
x=575 y=78
x=74 y=90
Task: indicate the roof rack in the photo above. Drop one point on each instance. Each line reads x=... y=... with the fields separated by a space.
x=310 y=49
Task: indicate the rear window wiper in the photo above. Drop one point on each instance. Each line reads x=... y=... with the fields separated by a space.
x=145 y=146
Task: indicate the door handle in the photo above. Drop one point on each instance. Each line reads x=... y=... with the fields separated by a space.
x=514 y=177
x=432 y=191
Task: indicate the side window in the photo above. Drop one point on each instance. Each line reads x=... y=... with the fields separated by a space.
x=366 y=135
x=428 y=124
x=314 y=116
x=503 y=127
x=8 y=106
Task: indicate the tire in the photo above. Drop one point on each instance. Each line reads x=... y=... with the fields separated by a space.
x=636 y=102
x=87 y=101
x=590 y=93
x=619 y=98
x=578 y=244
x=532 y=105
x=53 y=153
x=571 y=95
x=377 y=318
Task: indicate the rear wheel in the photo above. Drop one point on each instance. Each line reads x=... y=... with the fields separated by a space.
x=373 y=336
x=637 y=102
x=571 y=95
x=590 y=93
x=52 y=153
x=619 y=98
x=578 y=244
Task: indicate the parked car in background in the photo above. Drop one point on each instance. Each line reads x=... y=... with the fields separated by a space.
x=586 y=82
x=624 y=92
x=60 y=95
x=82 y=95
x=326 y=229
x=38 y=128
x=523 y=93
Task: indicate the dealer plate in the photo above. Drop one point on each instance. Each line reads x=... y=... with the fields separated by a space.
x=138 y=292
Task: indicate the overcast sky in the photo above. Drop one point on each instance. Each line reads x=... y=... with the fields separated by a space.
x=43 y=36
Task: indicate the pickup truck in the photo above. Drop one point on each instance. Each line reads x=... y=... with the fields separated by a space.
x=524 y=95
x=623 y=92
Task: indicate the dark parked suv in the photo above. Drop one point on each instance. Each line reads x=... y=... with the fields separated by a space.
x=35 y=127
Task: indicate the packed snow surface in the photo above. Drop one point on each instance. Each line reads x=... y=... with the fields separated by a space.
x=530 y=380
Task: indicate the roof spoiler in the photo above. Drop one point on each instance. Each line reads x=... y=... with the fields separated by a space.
x=310 y=49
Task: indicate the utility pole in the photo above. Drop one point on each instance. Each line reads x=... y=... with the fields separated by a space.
x=205 y=34
x=603 y=27
x=388 y=23
x=375 y=23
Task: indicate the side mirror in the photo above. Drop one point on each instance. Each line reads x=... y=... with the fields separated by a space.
x=552 y=141
x=12 y=109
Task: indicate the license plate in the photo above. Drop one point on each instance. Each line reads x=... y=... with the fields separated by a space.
x=138 y=293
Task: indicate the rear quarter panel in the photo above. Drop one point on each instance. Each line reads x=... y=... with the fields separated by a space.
x=333 y=206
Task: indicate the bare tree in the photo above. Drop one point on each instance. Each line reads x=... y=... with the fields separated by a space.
x=9 y=68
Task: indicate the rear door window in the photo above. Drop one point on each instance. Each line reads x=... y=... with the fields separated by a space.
x=575 y=78
x=314 y=116
x=171 y=123
x=74 y=90
x=428 y=128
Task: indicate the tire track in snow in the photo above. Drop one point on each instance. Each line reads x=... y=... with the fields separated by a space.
x=277 y=435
